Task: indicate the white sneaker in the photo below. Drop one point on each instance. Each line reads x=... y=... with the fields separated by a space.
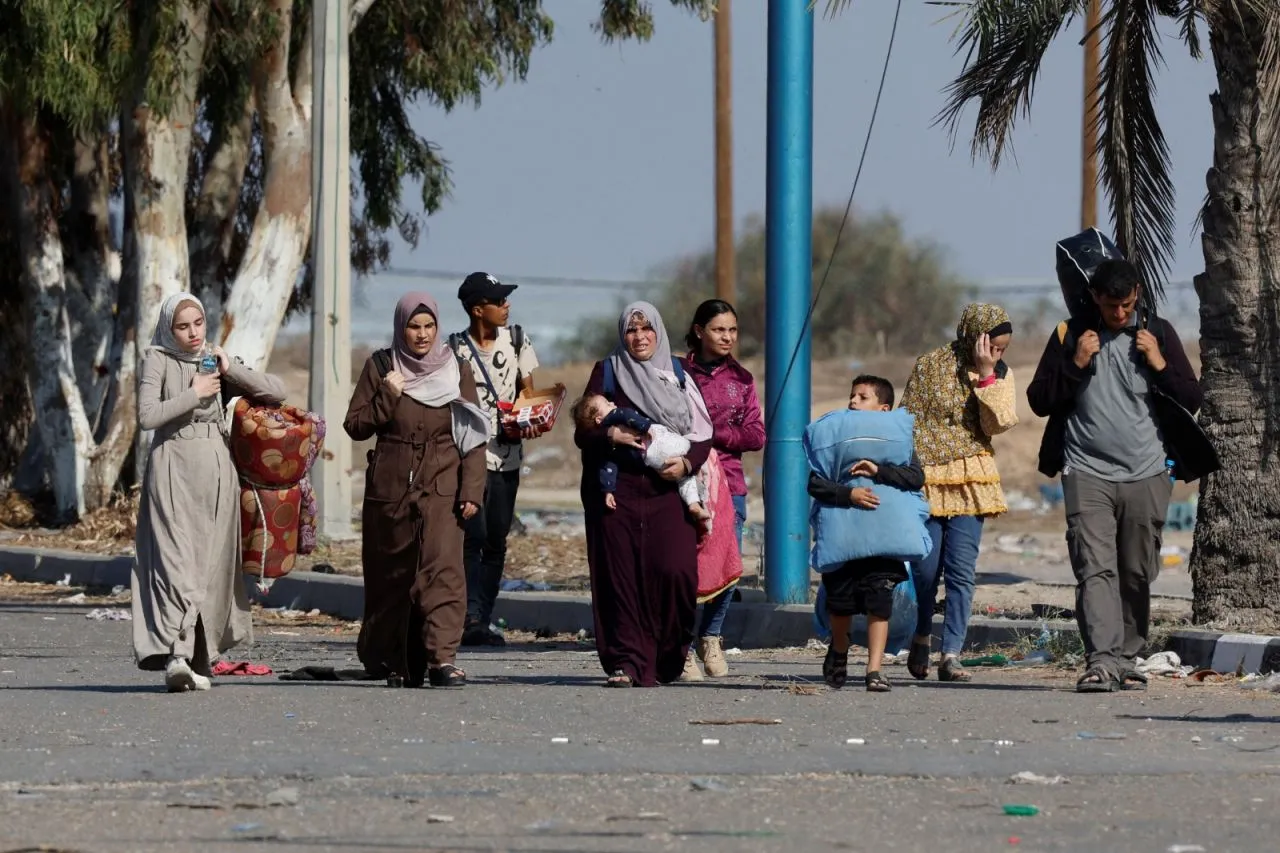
x=179 y=677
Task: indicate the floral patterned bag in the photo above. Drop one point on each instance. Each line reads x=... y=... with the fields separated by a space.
x=274 y=448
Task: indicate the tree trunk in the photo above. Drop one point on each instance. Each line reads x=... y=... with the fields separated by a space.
x=1235 y=565
x=60 y=416
x=17 y=427
x=214 y=218
x=91 y=257
x=282 y=229
x=157 y=150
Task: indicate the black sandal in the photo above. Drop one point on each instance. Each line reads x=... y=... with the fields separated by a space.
x=877 y=683
x=1096 y=679
x=951 y=670
x=835 y=668
x=918 y=660
x=1131 y=679
x=447 y=676
x=619 y=679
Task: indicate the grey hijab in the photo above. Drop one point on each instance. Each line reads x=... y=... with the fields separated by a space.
x=651 y=386
x=163 y=338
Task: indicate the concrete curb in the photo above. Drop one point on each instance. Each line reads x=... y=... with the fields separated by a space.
x=751 y=623
x=1244 y=653
x=48 y=566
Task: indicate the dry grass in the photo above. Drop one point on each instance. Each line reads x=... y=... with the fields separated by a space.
x=108 y=529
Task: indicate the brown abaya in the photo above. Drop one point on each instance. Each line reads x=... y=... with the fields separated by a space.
x=415 y=591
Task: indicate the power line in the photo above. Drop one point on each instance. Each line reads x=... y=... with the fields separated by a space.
x=1047 y=287
x=532 y=280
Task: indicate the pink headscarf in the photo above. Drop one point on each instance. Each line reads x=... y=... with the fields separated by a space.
x=431 y=379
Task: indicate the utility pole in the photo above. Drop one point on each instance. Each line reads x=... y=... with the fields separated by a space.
x=726 y=271
x=1089 y=125
x=331 y=260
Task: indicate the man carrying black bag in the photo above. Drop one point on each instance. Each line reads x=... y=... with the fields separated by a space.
x=1119 y=393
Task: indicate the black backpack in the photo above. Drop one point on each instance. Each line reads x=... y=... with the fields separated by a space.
x=1078 y=257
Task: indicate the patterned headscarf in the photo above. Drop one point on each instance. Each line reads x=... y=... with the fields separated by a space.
x=163 y=338
x=940 y=392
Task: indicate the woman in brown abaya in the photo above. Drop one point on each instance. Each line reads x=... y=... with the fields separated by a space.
x=643 y=554
x=426 y=476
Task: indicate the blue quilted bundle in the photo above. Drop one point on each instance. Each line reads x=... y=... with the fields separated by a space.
x=895 y=529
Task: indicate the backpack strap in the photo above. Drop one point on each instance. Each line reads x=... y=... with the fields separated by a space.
x=678 y=367
x=382 y=361
x=517 y=344
x=610 y=381
x=455 y=344
x=1067 y=336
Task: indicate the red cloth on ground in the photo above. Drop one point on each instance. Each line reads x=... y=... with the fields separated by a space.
x=226 y=667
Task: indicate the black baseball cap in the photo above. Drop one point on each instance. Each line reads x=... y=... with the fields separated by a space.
x=482 y=287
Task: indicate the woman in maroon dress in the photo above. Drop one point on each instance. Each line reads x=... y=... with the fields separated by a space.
x=643 y=554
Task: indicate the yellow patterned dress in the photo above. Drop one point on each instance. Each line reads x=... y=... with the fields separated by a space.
x=956 y=415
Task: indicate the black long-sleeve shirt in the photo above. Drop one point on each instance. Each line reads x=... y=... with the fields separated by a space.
x=909 y=478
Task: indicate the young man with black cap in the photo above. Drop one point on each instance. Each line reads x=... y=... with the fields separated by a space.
x=503 y=360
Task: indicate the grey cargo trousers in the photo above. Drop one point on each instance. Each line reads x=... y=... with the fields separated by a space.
x=1114 y=534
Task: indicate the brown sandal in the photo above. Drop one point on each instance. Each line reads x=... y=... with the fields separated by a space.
x=619 y=679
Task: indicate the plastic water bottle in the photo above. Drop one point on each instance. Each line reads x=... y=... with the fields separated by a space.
x=208 y=362
x=1168 y=466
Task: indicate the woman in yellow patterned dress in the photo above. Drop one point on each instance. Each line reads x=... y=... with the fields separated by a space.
x=961 y=394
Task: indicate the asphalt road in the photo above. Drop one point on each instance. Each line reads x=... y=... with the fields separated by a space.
x=534 y=755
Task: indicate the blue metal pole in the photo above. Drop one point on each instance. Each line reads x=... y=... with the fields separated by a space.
x=789 y=287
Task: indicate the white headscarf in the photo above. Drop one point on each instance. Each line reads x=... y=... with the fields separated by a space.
x=163 y=338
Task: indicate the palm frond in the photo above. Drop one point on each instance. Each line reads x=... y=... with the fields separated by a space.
x=1004 y=42
x=1188 y=14
x=1135 y=157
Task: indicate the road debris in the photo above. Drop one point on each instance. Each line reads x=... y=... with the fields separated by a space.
x=1026 y=777
x=1020 y=810
x=109 y=614
x=655 y=816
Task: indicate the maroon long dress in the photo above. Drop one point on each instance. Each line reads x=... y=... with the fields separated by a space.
x=643 y=558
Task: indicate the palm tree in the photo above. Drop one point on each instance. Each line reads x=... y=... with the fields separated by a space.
x=1235 y=565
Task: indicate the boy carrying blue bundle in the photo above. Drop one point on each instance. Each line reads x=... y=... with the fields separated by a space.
x=863 y=461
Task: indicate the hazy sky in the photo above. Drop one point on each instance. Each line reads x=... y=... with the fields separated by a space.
x=600 y=164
